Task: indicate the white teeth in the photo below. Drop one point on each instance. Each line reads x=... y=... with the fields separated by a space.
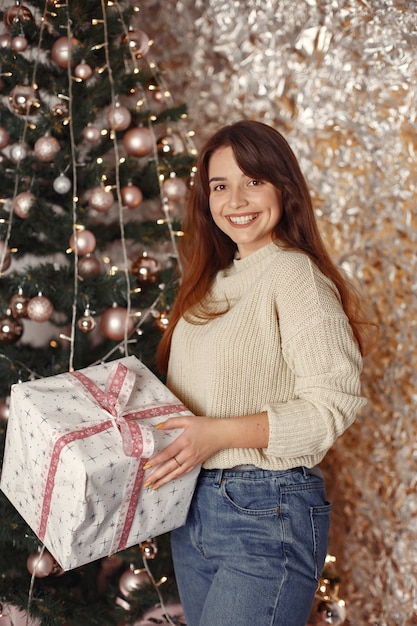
x=243 y=219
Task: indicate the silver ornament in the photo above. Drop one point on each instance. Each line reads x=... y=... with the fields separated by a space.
x=62 y=184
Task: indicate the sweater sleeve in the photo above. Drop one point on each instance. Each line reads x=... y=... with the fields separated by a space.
x=319 y=349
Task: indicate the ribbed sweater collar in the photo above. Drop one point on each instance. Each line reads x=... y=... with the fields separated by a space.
x=235 y=279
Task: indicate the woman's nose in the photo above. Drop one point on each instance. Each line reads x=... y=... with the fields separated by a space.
x=237 y=198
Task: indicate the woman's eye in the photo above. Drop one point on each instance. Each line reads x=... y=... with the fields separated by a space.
x=254 y=183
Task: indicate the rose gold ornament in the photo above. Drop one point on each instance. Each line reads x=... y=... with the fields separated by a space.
x=4 y=138
x=119 y=117
x=16 y=14
x=4 y=410
x=83 y=71
x=5 y=257
x=11 y=329
x=162 y=321
x=149 y=549
x=46 y=149
x=40 y=564
x=83 y=242
x=131 y=196
x=40 y=309
x=146 y=269
x=22 y=204
x=18 y=305
x=133 y=579
x=170 y=144
x=86 y=322
x=174 y=189
x=24 y=100
x=19 y=43
x=138 y=42
x=62 y=51
x=5 y=41
x=100 y=199
x=60 y=109
x=91 y=134
x=113 y=323
x=18 y=152
x=88 y=265
x=138 y=142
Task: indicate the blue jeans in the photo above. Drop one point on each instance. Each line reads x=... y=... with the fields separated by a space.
x=253 y=548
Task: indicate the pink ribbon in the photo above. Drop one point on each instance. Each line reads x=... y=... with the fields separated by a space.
x=137 y=442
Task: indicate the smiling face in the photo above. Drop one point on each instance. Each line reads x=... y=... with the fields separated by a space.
x=245 y=209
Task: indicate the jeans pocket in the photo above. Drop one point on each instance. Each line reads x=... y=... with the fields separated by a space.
x=320 y=522
x=251 y=497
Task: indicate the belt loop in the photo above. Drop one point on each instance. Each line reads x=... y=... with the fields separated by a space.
x=218 y=478
x=305 y=472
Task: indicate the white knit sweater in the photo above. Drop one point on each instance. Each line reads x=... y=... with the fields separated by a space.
x=284 y=346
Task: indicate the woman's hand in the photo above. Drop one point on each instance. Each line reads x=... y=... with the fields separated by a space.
x=200 y=439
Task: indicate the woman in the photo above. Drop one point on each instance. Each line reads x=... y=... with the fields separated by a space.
x=264 y=347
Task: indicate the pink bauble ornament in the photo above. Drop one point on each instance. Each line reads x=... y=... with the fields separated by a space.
x=11 y=329
x=16 y=14
x=12 y=616
x=4 y=138
x=138 y=42
x=133 y=579
x=62 y=51
x=138 y=142
x=91 y=134
x=174 y=189
x=83 y=242
x=40 y=564
x=40 y=309
x=113 y=323
x=119 y=117
x=18 y=152
x=100 y=199
x=5 y=41
x=22 y=204
x=131 y=196
x=5 y=257
x=18 y=305
x=88 y=265
x=62 y=184
x=24 y=100
x=4 y=412
x=83 y=71
x=46 y=149
x=19 y=43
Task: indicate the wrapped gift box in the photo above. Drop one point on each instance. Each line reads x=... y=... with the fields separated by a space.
x=76 y=446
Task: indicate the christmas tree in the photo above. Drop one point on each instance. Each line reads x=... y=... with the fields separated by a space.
x=95 y=161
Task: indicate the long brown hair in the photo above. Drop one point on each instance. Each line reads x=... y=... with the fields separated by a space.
x=261 y=152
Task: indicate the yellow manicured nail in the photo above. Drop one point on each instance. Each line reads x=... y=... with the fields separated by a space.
x=146 y=485
x=160 y=425
x=154 y=488
x=147 y=466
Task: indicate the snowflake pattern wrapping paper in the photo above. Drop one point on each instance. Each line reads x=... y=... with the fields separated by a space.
x=75 y=450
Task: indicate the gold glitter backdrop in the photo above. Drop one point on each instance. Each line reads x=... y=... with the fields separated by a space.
x=338 y=78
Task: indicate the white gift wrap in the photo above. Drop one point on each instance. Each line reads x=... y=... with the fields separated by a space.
x=67 y=468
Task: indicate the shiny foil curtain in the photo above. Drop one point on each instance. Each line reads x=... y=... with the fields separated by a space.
x=339 y=79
